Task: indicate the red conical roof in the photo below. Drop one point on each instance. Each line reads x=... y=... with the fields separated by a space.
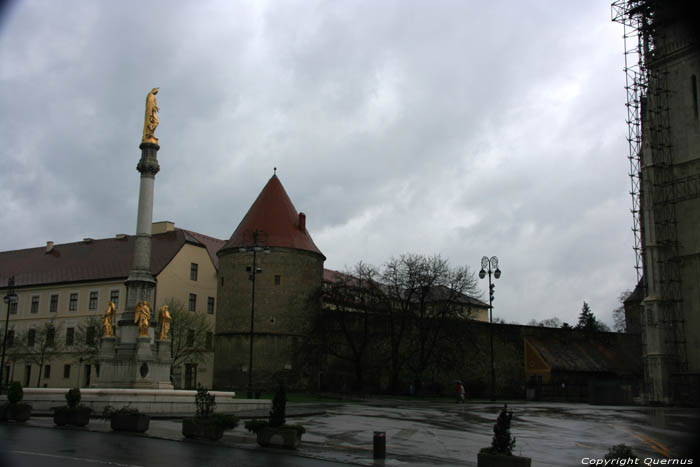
x=275 y=219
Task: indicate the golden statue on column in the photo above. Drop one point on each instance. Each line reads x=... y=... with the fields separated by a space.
x=142 y=315
x=164 y=322
x=107 y=319
x=151 y=119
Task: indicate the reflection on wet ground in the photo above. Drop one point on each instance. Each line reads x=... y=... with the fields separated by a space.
x=424 y=433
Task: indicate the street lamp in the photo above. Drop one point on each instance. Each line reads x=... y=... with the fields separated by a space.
x=252 y=272
x=10 y=298
x=490 y=266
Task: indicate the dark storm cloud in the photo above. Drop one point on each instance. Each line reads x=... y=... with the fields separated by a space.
x=450 y=127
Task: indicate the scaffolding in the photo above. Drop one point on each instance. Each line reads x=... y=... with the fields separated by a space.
x=649 y=128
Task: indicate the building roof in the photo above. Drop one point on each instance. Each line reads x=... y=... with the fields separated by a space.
x=94 y=260
x=276 y=220
x=586 y=353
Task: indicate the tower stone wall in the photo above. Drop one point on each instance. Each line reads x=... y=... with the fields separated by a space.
x=286 y=297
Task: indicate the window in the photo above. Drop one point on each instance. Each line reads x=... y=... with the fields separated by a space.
x=70 y=336
x=47 y=371
x=51 y=336
x=53 y=304
x=90 y=333
x=210 y=305
x=13 y=307
x=92 y=303
x=210 y=340
x=193 y=271
x=114 y=298
x=73 y=303
x=66 y=370
x=193 y=302
x=10 y=338
x=694 y=85
x=35 y=304
x=278 y=279
x=190 y=338
x=31 y=337
x=222 y=281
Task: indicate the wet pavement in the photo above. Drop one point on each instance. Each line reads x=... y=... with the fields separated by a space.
x=428 y=433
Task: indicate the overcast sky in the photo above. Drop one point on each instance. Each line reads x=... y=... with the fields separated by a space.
x=460 y=128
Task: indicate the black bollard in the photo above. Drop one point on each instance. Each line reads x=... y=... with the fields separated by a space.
x=379 y=445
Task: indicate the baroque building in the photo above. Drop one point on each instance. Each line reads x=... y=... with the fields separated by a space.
x=69 y=286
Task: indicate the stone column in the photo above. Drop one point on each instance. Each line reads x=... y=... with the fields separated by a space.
x=140 y=284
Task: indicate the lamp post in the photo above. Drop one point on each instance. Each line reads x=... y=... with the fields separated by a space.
x=252 y=272
x=490 y=266
x=10 y=298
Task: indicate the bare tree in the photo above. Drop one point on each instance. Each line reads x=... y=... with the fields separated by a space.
x=86 y=341
x=546 y=323
x=619 y=321
x=40 y=345
x=423 y=293
x=188 y=334
x=351 y=300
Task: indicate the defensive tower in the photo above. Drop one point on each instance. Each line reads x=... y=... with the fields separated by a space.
x=270 y=276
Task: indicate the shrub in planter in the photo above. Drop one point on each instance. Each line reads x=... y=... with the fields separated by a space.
x=274 y=431
x=73 y=413
x=127 y=419
x=15 y=409
x=207 y=424
x=500 y=454
x=621 y=452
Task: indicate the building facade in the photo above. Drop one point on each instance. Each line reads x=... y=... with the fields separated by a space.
x=68 y=287
x=663 y=105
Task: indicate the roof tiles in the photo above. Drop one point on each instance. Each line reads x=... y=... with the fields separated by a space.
x=276 y=220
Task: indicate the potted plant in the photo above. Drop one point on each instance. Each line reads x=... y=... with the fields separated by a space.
x=620 y=452
x=73 y=413
x=207 y=424
x=127 y=419
x=14 y=408
x=274 y=431
x=500 y=454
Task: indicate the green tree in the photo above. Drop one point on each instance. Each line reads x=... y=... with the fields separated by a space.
x=588 y=322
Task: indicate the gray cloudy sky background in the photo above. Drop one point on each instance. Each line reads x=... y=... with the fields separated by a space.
x=462 y=128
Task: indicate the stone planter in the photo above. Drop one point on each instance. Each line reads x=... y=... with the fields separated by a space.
x=75 y=416
x=201 y=428
x=19 y=412
x=135 y=422
x=485 y=459
x=284 y=437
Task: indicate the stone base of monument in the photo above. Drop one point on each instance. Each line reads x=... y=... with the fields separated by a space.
x=164 y=402
x=138 y=365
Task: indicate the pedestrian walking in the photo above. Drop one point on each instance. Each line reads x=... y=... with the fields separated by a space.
x=460 y=392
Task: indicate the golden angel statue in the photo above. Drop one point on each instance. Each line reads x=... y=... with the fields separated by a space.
x=107 y=319
x=142 y=317
x=164 y=322
x=150 y=121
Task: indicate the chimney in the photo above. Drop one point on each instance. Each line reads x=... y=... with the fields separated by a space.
x=302 y=222
x=49 y=247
